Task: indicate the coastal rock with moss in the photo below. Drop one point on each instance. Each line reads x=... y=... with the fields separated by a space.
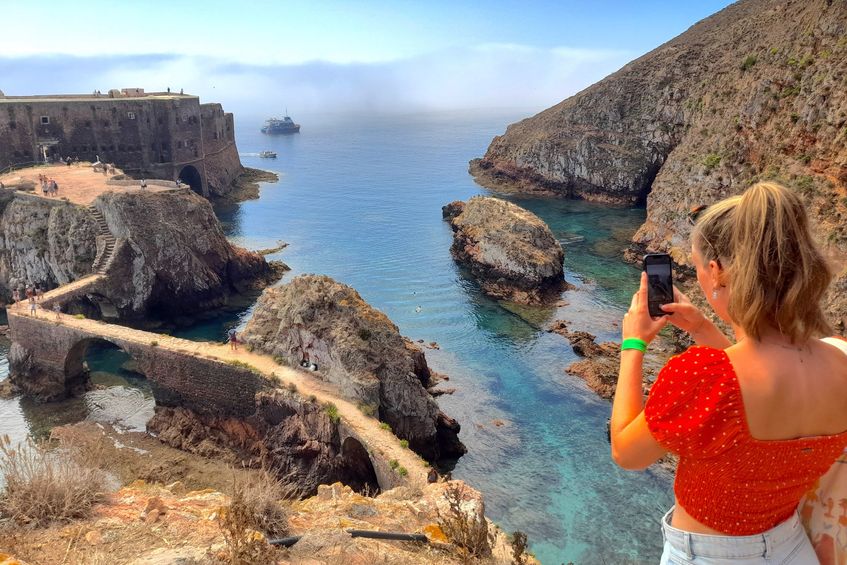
x=358 y=349
x=510 y=251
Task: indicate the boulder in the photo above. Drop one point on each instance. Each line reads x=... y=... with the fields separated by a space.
x=510 y=251
x=358 y=349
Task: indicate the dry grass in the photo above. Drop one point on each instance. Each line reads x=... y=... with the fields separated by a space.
x=462 y=527
x=46 y=485
x=254 y=509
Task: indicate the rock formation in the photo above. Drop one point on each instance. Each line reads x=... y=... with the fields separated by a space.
x=43 y=242
x=171 y=256
x=511 y=252
x=358 y=349
x=289 y=434
x=753 y=92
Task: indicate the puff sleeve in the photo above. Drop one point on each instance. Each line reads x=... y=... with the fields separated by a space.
x=694 y=408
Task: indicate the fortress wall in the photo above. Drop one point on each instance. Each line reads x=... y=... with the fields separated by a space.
x=148 y=136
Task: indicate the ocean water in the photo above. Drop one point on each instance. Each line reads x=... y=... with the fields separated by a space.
x=359 y=199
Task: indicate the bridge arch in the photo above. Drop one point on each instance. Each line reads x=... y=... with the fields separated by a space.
x=192 y=177
x=359 y=470
x=76 y=369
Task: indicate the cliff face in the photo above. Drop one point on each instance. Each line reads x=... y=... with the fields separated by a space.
x=172 y=256
x=43 y=242
x=360 y=350
x=510 y=251
x=755 y=91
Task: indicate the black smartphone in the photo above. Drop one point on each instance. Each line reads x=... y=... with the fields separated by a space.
x=659 y=282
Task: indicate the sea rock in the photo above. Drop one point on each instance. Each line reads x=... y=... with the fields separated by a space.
x=172 y=257
x=358 y=349
x=510 y=251
x=752 y=92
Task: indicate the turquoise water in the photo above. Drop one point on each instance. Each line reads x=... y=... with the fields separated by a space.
x=360 y=199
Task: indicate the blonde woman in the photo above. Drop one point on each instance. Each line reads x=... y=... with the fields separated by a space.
x=756 y=422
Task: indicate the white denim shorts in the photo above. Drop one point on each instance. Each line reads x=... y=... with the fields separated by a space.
x=786 y=543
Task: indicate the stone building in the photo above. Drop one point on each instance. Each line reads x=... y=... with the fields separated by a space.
x=160 y=135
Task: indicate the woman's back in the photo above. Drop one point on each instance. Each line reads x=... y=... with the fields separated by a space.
x=791 y=392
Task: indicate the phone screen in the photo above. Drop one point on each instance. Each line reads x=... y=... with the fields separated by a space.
x=659 y=282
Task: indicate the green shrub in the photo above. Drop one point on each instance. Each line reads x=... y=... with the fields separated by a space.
x=805 y=158
x=364 y=334
x=279 y=360
x=711 y=161
x=313 y=398
x=332 y=411
x=404 y=443
x=291 y=387
x=393 y=464
x=154 y=343
x=79 y=316
x=367 y=409
x=805 y=184
x=385 y=426
x=401 y=470
x=748 y=62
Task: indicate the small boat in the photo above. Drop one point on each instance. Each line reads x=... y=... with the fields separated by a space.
x=268 y=154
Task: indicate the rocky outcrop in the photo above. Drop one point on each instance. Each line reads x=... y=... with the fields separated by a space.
x=289 y=434
x=43 y=242
x=753 y=92
x=510 y=251
x=359 y=350
x=171 y=256
x=600 y=363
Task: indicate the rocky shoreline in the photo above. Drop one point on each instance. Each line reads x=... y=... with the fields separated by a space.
x=246 y=184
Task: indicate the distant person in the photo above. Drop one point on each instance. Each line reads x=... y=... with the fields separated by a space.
x=757 y=422
x=143 y=184
x=232 y=337
x=39 y=294
x=57 y=308
x=16 y=297
x=68 y=160
x=32 y=306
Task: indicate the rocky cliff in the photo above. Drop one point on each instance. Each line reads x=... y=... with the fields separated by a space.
x=510 y=251
x=755 y=91
x=43 y=242
x=357 y=348
x=172 y=257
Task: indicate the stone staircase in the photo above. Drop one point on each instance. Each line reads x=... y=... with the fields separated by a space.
x=104 y=258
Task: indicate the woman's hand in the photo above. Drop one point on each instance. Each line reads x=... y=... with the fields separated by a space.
x=686 y=316
x=637 y=322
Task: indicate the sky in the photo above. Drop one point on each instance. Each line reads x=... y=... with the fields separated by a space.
x=313 y=56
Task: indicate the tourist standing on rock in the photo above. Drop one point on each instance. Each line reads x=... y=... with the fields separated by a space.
x=143 y=184
x=232 y=337
x=39 y=294
x=32 y=306
x=58 y=310
x=757 y=422
x=16 y=297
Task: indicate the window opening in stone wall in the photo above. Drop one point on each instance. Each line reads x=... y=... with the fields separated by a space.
x=45 y=120
x=130 y=115
x=88 y=123
x=13 y=125
x=106 y=123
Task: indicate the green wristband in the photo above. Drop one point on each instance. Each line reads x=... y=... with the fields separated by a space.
x=634 y=343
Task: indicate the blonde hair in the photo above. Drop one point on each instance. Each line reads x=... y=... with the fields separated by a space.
x=762 y=242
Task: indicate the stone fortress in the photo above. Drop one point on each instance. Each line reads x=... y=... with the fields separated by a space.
x=160 y=135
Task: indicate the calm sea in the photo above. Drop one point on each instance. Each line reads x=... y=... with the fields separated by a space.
x=359 y=199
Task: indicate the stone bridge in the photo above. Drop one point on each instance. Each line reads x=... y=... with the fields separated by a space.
x=47 y=361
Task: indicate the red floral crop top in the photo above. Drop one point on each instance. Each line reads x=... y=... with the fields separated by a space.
x=726 y=478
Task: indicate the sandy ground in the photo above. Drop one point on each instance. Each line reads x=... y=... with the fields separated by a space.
x=77 y=183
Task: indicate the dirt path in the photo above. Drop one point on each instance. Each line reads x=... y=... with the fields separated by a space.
x=78 y=183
